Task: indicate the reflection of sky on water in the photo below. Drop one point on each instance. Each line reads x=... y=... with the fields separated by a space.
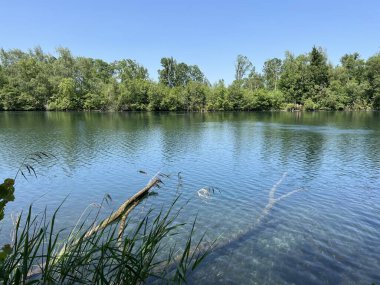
x=327 y=233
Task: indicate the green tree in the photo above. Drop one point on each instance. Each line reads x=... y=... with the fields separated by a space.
x=127 y=69
x=34 y=80
x=8 y=98
x=92 y=77
x=27 y=79
x=294 y=82
x=217 y=97
x=319 y=70
x=66 y=98
x=272 y=71
x=353 y=66
x=175 y=74
x=111 y=93
x=254 y=81
x=373 y=75
x=156 y=95
x=317 y=73
x=235 y=95
x=242 y=66
x=167 y=75
x=65 y=65
x=195 y=96
x=134 y=95
x=173 y=100
x=332 y=98
x=262 y=100
x=349 y=82
x=188 y=73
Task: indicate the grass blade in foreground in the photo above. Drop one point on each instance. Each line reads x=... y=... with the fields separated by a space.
x=101 y=256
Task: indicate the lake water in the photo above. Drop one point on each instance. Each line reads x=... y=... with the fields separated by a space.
x=327 y=231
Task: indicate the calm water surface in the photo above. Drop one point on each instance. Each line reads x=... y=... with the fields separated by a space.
x=326 y=232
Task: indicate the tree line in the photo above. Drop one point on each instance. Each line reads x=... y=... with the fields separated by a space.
x=35 y=80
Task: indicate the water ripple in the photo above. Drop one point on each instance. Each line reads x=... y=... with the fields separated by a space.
x=327 y=233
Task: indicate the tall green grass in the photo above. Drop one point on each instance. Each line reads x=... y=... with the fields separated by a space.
x=43 y=254
x=122 y=252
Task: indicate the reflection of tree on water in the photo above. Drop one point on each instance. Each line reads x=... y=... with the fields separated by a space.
x=313 y=144
x=181 y=133
x=302 y=148
x=88 y=136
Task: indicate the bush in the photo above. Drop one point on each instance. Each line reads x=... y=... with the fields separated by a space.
x=291 y=107
x=309 y=105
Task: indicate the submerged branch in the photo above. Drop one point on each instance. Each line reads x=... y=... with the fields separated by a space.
x=272 y=201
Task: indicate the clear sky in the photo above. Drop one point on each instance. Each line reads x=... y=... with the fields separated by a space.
x=208 y=33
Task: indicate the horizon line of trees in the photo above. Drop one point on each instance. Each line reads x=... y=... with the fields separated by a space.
x=35 y=80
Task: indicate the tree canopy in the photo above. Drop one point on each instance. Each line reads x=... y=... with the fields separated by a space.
x=35 y=80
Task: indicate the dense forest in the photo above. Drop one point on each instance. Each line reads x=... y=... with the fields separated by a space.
x=35 y=80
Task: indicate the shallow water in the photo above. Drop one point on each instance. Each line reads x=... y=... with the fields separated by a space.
x=327 y=232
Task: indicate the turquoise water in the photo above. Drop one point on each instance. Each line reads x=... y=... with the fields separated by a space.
x=327 y=231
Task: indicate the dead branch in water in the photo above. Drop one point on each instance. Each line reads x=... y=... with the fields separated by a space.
x=122 y=212
x=272 y=200
x=124 y=220
x=266 y=210
x=124 y=207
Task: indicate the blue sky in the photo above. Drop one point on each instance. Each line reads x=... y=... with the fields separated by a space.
x=204 y=32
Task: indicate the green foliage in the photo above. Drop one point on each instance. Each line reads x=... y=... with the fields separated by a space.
x=294 y=82
x=272 y=72
x=242 y=66
x=376 y=102
x=291 y=107
x=66 y=98
x=35 y=80
x=217 y=98
x=309 y=105
x=156 y=95
x=127 y=70
x=6 y=194
x=254 y=81
x=195 y=96
x=134 y=95
x=262 y=100
x=235 y=95
x=173 y=100
x=175 y=74
x=373 y=73
x=331 y=101
x=143 y=253
x=318 y=70
x=353 y=66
